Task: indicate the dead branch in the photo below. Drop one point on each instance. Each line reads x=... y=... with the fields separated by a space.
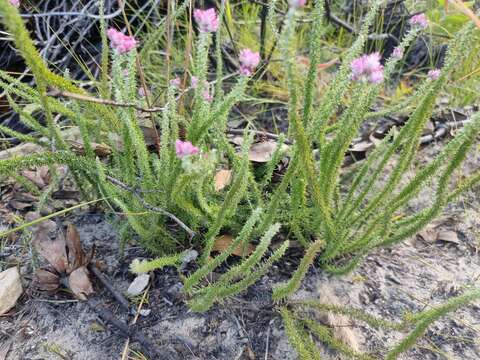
x=103 y=279
x=106 y=315
x=58 y=93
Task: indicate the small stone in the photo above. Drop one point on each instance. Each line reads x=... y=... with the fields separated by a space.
x=187 y=257
x=10 y=289
x=145 y=312
x=138 y=285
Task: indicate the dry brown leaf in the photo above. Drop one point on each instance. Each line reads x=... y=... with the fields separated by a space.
x=79 y=283
x=65 y=255
x=224 y=241
x=448 y=236
x=76 y=256
x=428 y=234
x=32 y=215
x=35 y=176
x=25 y=197
x=223 y=178
x=262 y=152
x=47 y=280
x=18 y=205
x=53 y=251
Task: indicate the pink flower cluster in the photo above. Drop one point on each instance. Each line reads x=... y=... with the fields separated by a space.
x=207 y=96
x=142 y=92
x=397 y=53
x=207 y=20
x=434 y=74
x=193 y=82
x=248 y=61
x=15 y=3
x=367 y=68
x=419 y=20
x=297 y=3
x=206 y=92
x=185 y=148
x=120 y=42
x=177 y=82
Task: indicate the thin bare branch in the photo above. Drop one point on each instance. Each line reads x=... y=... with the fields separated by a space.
x=58 y=93
x=147 y=206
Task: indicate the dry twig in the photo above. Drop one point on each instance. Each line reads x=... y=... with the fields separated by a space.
x=58 y=93
x=147 y=206
x=135 y=319
x=117 y=295
x=146 y=345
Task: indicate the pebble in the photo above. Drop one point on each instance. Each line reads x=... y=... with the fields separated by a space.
x=10 y=289
x=188 y=257
x=138 y=285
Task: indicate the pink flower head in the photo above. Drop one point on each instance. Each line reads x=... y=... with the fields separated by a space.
x=376 y=77
x=419 y=20
x=142 y=93
x=248 y=61
x=207 y=96
x=185 y=148
x=121 y=42
x=207 y=20
x=434 y=74
x=297 y=3
x=177 y=82
x=206 y=92
x=372 y=62
x=367 y=68
x=15 y=3
x=397 y=53
x=193 y=82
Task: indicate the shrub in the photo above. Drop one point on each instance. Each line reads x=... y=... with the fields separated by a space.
x=167 y=195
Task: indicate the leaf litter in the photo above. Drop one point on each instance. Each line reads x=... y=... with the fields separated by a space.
x=66 y=260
